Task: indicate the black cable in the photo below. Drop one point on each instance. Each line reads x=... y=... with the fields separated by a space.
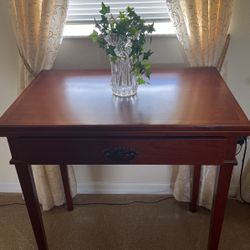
x=10 y=204
x=241 y=171
x=124 y=203
x=105 y=203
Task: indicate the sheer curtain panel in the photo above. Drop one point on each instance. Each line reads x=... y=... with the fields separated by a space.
x=38 y=27
x=201 y=28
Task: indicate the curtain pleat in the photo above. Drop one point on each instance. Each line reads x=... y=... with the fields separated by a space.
x=201 y=28
x=38 y=27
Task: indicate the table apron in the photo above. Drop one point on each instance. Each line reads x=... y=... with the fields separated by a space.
x=125 y=150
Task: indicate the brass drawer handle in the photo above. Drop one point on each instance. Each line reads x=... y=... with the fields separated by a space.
x=119 y=154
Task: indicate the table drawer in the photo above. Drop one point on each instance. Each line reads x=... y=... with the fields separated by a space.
x=148 y=150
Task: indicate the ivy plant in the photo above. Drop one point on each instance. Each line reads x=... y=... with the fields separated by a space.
x=124 y=37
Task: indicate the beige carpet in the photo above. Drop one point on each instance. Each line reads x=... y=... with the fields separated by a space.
x=164 y=226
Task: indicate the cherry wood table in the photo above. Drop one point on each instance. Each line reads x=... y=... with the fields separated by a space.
x=185 y=116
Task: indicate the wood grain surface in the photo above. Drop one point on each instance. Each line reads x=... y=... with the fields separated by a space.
x=175 y=100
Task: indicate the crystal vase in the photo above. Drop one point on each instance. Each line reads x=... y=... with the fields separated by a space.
x=122 y=78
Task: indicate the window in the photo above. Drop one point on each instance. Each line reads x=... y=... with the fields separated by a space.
x=81 y=14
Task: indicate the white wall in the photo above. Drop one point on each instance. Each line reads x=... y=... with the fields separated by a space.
x=239 y=54
x=8 y=92
x=81 y=53
x=238 y=66
x=78 y=53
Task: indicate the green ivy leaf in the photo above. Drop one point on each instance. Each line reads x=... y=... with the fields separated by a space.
x=146 y=68
x=111 y=51
x=150 y=28
x=140 y=80
x=147 y=54
x=105 y=9
x=113 y=59
x=94 y=36
x=122 y=15
x=130 y=11
x=102 y=43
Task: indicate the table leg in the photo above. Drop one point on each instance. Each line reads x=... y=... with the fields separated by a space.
x=25 y=176
x=219 y=205
x=195 y=188
x=66 y=186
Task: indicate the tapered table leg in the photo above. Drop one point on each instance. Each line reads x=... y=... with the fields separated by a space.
x=25 y=176
x=219 y=205
x=66 y=186
x=195 y=188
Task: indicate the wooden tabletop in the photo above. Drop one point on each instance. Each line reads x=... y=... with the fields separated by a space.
x=194 y=99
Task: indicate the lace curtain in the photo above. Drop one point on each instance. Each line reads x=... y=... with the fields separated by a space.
x=201 y=27
x=38 y=27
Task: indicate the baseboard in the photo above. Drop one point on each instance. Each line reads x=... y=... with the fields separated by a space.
x=104 y=188
x=10 y=188
x=123 y=188
x=113 y=188
x=233 y=190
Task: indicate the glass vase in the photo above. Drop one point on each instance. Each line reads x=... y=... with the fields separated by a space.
x=122 y=78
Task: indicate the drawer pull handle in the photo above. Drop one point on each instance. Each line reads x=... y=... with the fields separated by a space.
x=119 y=154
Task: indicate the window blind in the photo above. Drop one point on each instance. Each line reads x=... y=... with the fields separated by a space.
x=84 y=11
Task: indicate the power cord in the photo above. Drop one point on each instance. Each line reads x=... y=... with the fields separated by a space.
x=124 y=203
x=106 y=203
x=11 y=204
x=242 y=168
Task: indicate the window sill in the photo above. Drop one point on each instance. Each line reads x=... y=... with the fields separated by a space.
x=87 y=37
x=84 y=30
